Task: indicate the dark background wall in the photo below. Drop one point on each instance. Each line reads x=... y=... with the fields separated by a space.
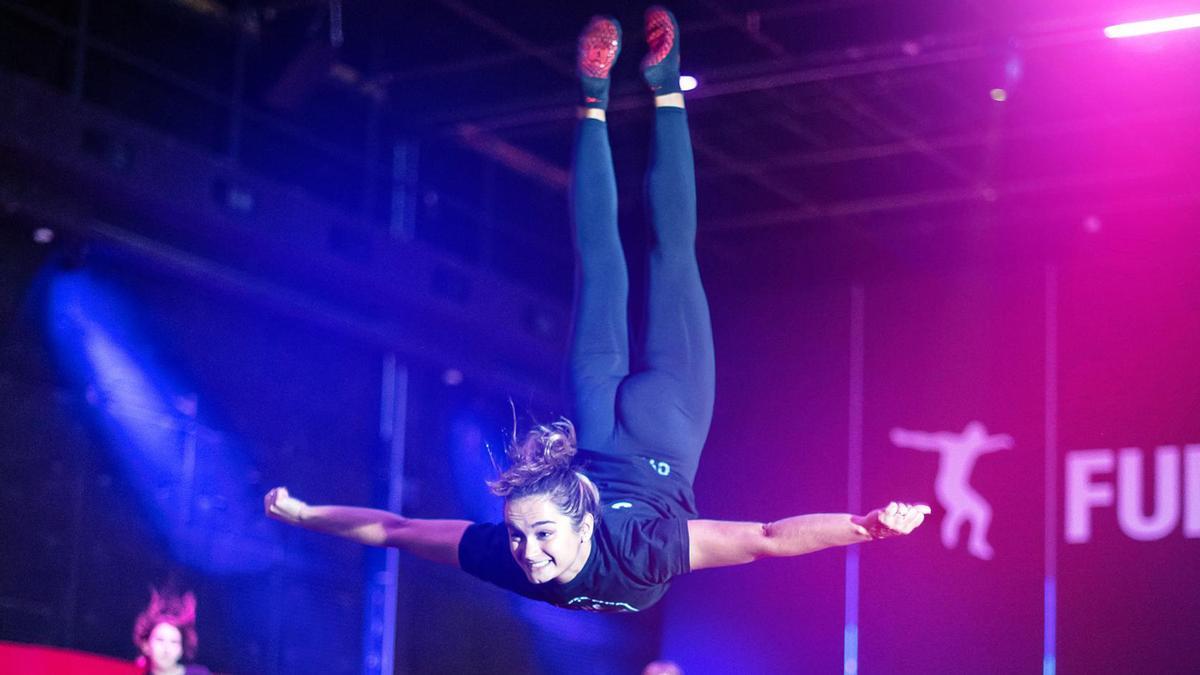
x=111 y=374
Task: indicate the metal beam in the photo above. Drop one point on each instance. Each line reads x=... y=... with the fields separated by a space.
x=860 y=109
x=500 y=31
x=933 y=198
x=966 y=140
x=849 y=99
x=518 y=159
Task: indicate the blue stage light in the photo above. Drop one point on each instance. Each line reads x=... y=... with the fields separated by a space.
x=190 y=480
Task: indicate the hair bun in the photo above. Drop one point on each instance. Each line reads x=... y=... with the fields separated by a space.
x=552 y=444
x=544 y=450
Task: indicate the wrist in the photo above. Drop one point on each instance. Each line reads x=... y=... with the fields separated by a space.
x=861 y=527
x=875 y=528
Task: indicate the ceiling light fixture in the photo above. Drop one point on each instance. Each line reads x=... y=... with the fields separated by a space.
x=1151 y=26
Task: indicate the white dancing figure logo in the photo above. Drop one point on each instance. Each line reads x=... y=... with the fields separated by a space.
x=958 y=453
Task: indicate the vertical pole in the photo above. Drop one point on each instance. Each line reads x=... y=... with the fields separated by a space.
x=187 y=478
x=234 y=143
x=75 y=567
x=405 y=156
x=81 y=44
x=336 y=36
x=378 y=96
x=1050 y=535
x=854 y=461
x=393 y=643
x=370 y=171
x=487 y=223
x=380 y=636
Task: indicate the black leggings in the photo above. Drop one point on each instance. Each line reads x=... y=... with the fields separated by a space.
x=661 y=411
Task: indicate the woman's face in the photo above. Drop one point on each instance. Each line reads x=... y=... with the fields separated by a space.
x=543 y=541
x=164 y=648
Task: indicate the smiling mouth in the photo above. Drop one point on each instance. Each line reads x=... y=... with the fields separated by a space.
x=539 y=565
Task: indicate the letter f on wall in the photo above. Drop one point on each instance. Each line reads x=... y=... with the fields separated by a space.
x=1083 y=494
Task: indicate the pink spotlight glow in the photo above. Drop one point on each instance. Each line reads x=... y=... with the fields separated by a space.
x=1136 y=28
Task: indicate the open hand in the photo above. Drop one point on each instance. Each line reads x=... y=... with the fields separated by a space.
x=893 y=520
x=283 y=507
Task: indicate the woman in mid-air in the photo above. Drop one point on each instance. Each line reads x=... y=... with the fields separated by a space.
x=604 y=520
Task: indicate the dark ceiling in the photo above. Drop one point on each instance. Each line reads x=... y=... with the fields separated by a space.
x=853 y=123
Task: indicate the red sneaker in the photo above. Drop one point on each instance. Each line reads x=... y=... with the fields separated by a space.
x=660 y=67
x=599 y=45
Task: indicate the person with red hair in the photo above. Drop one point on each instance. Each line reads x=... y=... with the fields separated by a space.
x=165 y=634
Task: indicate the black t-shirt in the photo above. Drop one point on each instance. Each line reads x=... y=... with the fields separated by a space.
x=640 y=541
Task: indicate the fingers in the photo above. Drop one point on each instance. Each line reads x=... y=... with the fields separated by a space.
x=890 y=516
x=909 y=521
x=902 y=518
x=272 y=501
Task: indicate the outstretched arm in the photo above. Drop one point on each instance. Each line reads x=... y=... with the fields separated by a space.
x=915 y=440
x=720 y=543
x=435 y=540
x=997 y=442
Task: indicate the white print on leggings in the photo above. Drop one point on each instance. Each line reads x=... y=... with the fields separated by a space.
x=1088 y=488
x=962 y=503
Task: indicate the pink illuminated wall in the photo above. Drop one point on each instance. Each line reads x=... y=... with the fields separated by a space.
x=1078 y=355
